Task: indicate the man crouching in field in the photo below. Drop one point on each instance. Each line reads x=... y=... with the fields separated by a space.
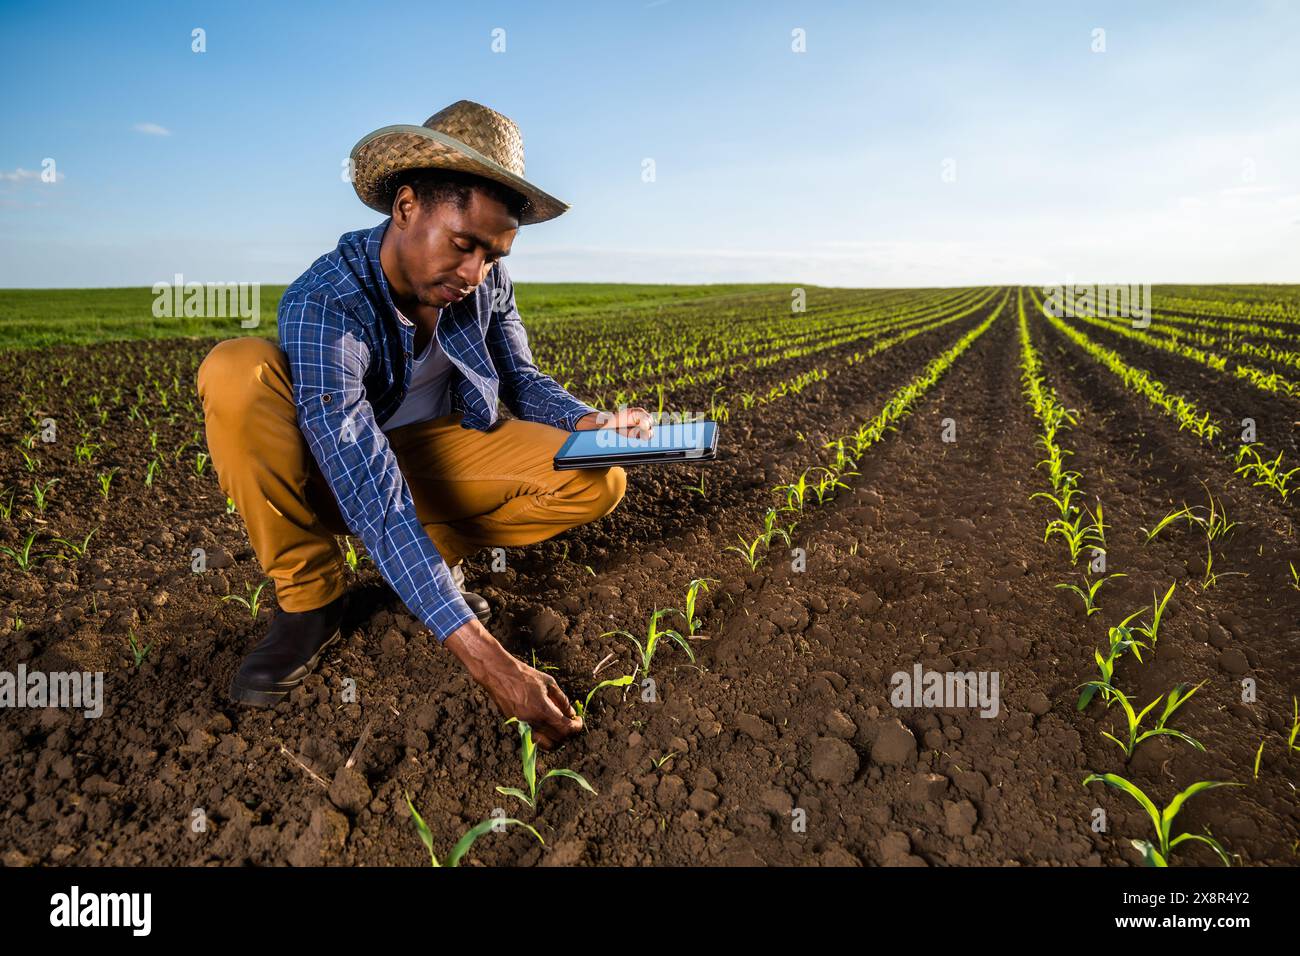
x=377 y=415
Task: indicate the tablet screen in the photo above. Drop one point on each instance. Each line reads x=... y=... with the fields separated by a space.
x=680 y=436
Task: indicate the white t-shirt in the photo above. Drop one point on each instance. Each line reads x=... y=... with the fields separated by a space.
x=429 y=395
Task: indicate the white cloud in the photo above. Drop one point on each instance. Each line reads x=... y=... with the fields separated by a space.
x=151 y=129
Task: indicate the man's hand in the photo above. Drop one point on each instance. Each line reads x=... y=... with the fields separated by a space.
x=517 y=689
x=632 y=422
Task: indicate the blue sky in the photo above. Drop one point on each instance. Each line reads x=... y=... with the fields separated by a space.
x=1170 y=156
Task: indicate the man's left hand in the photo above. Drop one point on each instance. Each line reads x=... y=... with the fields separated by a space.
x=632 y=422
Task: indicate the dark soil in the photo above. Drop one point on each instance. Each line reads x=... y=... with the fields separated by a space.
x=780 y=746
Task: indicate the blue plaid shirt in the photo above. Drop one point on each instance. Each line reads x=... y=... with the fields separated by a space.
x=350 y=360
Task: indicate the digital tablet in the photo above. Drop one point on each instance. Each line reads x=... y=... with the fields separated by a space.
x=602 y=447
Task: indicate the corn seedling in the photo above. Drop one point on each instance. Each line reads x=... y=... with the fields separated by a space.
x=583 y=707
x=30 y=462
x=771 y=529
x=230 y=506
x=105 y=479
x=138 y=653
x=351 y=556
x=1295 y=725
x=543 y=666
x=692 y=592
x=1268 y=474
x=1259 y=755
x=200 y=463
x=85 y=452
x=1152 y=630
x=465 y=842
x=795 y=493
x=1063 y=501
x=78 y=550
x=1211 y=577
x=827 y=484
x=1177 y=697
x=698 y=489
x=1076 y=534
x=1215 y=523
x=1059 y=475
x=1157 y=854
x=253 y=601
x=7 y=510
x=1295 y=575
x=654 y=634
x=1120 y=639
x=843 y=460
x=1098 y=525
x=40 y=493
x=22 y=555
x=1089 y=597
x=718 y=411
x=528 y=755
x=151 y=472
x=1167 y=520
x=748 y=551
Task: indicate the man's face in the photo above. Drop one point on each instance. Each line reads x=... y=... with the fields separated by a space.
x=443 y=253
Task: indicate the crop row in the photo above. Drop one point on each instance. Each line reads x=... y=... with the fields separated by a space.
x=821 y=482
x=1236 y=302
x=1231 y=329
x=1123 y=639
x=1265 y=381
x=611 y=349
x=1252 y=461
x=717 y=368
x=1228 y=343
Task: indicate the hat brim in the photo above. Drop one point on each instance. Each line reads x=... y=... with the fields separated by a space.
x=379 y=156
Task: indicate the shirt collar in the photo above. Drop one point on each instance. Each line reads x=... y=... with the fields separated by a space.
x=374 y=242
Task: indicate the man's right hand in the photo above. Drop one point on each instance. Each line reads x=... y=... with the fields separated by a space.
x=517 y=689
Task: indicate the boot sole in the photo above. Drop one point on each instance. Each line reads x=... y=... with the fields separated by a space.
x=269 y=697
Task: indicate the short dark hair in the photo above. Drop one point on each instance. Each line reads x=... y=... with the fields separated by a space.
x=433 y=187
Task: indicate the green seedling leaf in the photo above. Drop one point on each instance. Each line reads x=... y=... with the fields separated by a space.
x=584 y=707
x=571 y=775
x=479 y=829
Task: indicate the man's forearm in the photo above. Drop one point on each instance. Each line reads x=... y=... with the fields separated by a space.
x=476 y=648
x=518 y=690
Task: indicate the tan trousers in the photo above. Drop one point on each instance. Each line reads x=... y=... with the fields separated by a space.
x=471 y=489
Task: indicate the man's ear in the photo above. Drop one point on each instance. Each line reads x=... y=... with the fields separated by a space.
x=404 y=204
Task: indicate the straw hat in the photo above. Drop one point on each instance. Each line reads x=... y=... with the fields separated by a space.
x=465 y=136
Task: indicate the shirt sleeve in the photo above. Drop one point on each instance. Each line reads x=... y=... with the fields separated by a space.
x=328 y=355
x=527 y=391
